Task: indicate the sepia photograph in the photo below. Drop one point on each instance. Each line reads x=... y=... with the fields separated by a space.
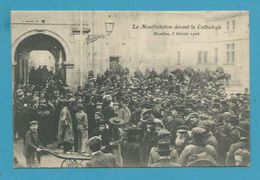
x=94 y=89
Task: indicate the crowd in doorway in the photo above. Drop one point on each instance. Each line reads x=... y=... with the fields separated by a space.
x=182 y=117
x=39 y=76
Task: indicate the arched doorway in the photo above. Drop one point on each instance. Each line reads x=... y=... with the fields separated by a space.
x=38 y=50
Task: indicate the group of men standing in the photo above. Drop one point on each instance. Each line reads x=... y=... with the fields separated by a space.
x=171 y=119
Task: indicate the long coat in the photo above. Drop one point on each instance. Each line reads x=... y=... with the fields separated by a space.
x=65 y=130
x=44 y=117
x=131 y=154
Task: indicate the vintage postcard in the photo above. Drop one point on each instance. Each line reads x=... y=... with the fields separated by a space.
x=130 y=88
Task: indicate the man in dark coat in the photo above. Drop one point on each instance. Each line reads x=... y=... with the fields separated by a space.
x=103 y=132
x=90 y=109
x=82 y=129
x=131 y=149
x=31 y=143
x=234 y=132
x=20 y=114
x=107 y=109
x=99 y=159
x=149 y=140
x=44 y=116
x=155 y=156
x=32 y=76
x=164 y=148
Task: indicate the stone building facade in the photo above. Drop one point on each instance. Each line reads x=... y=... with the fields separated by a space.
x=79 y=41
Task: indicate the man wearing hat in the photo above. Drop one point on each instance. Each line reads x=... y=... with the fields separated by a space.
x=31 y=143
x=243 y=143
x=172 y=120
x=19 y=104
x=107 y=108
x=197 y=149
x=45 y=117
x=149 y=138
x=98 y=158
x=192 y=120
x=82 y=128
x=90 y=109
x=182 y=138
x=116 y=135
x=74 y=109
x=124 y=112
x=65 y=129
x=154 y=156
x=131 y=149
x=103 y=132
x=222 y=136
x=164 y=149
x=232 y=125
x=210 y=138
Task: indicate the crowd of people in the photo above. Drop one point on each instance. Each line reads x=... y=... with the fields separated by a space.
x=173 y=118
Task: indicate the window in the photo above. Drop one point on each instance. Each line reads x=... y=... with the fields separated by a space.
x=76 y=30
x=233 y=25
x=230 y=53
x=216 y=56
x=178 y=57
x=228 y=25
x=199 y=57
x=203 y=57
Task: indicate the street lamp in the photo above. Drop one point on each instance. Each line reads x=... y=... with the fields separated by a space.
x=109 y=24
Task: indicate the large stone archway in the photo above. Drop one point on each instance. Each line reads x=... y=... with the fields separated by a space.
x=36 y=40
x=17 y=41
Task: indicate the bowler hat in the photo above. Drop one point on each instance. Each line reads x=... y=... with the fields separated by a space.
x=182 y=129
x=116 y=121
x=94 y=142
x=163 y=133
x=99 y=114
x=198 y=132
x=164 y=146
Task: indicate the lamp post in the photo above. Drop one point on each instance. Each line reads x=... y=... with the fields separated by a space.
x=91 y=38
x=109 y=24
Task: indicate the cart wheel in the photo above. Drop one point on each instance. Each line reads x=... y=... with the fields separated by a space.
x=80 y=164
x=69 y=163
